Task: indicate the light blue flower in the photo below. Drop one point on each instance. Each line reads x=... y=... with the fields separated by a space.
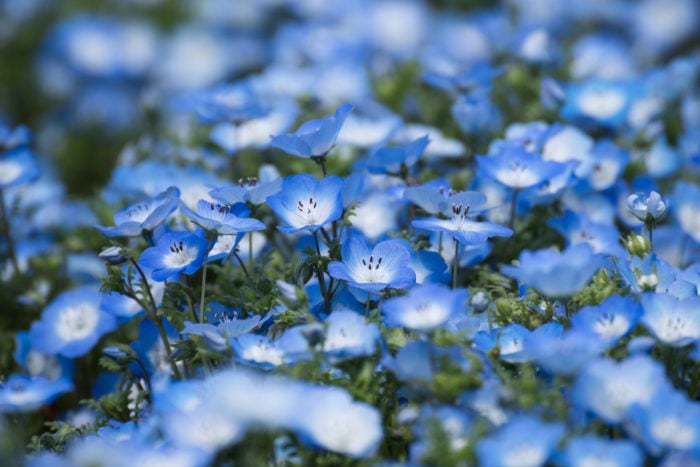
x=314 y=138
x=425 y=307
x=516 y=168
x=174 y=253
x=17 y=166
x=598 y=102
x=461 y=207
x=672 y=321
x=71 y=324
x=306 y=203
x=391 y=159
x=556 y=274
x=348 y=335
x=564 y=354
x=374 y=269
x=670 y=422
x=23 y=393
x=614 y=318
x=647 y=207
x=524 y=440
x=222 y=218
x=590 y=450
x=608 y=388
x=146 y=215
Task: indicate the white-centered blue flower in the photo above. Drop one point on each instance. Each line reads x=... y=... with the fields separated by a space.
x=349 y=335
x=374 y=269
x=314 y=138
x=461 y=209
x=223 y=218
x=71 y=324
x=174 y=253
x=426 y=307
x=516 y=168
x=611 y=320
x=23 y=393
x=647 y=206
x=146 y=215
x=306 y=203
x=601 y=452
x=673 y=321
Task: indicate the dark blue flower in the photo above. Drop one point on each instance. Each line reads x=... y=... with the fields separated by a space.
x=315 y=137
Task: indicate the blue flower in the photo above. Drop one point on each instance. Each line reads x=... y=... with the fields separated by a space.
x=516 y=168
x=71 y=324
x=426 y=307
x=647 y=207
x=315 y=137
x=17 y=166
x=348 y=335
x=374 y=269
x=475 y=113
x=563 y=354
x=23 y=393
x=590 y=450
x=174 y=253
x=222 y=218
x=608 y=388
x=556 y=274
x=524 y=440
x=459 y=226
x=147 y=215
x=305 y=203
x=672 y=321
x=614 y=318
x=579 y=228
x=598 y=102
x=390 y=159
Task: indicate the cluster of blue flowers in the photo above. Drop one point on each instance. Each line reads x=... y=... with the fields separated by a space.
x=345 y=232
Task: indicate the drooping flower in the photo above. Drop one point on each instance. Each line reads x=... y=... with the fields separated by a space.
x=374 y=269
x=647 y=206
x=306 y=203
x=71 y=324
x=425 y=307
x=175 y=252
x=557 y=274
x=314 y=138
x=146 y=215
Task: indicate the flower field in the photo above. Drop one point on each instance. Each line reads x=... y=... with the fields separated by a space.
x=392 y=232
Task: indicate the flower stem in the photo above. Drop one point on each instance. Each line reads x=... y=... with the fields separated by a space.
x=367 y=305
x=455 y=265
x=513 y=206
x=321 y=161
x=240 y=261
x=321 y=279
x=157 y=319
x=6 y=233
x=204 y=290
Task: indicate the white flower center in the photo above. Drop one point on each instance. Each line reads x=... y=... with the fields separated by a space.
x=140 y=212
x=372 y=271
x=601 y=103
x=524 y=456
x=673 y=432
x=310 y=213
x=611 y=325
x=263 y=352
x=180 y=255
x=9 y=171
x=676 y=327
x=77 y=322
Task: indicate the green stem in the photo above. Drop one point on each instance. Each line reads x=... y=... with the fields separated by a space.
x=158 y=320
x=250 y=250
x=321 y=279
x=202 y=302
x=242 y=264
x=513 y=206
x=6 y=233
x=455 y=265
x=367 y=305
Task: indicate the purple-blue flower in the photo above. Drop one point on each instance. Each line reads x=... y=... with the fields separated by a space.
x=146 y=215
x=223 y=218
x=425 y=307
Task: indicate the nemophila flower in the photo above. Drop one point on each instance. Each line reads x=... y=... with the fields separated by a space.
x=257 y=350
x=24 y=393
x=556 y=274
x=510 y=341
x=348 y=335
x=517 y=168
x=602 y=165
x=412 y=363
x=454 y=423
x=672 y=321
x=670 y=421
x=614 y=318
x=174 y=253
x=475 y=113
x=374 y=269
x=232 y=102
x=563 y=354
x=425 y=307
x=648 y=273
x=597 y=102
x=37 y=363
x=314 y=138
x=328 y=418
x=17 y=166
x=306 y=203
x=71 y=324
x=686 y=208
x=462 y=206
x=146 y=215
x=151 y=350
x=391 y=159
x=662 y=160
x=582 y=451
x=476 y=77
x=608 y=388
x=524 y=441
x=222 y=218
x=647 y=207
x=579 y=228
